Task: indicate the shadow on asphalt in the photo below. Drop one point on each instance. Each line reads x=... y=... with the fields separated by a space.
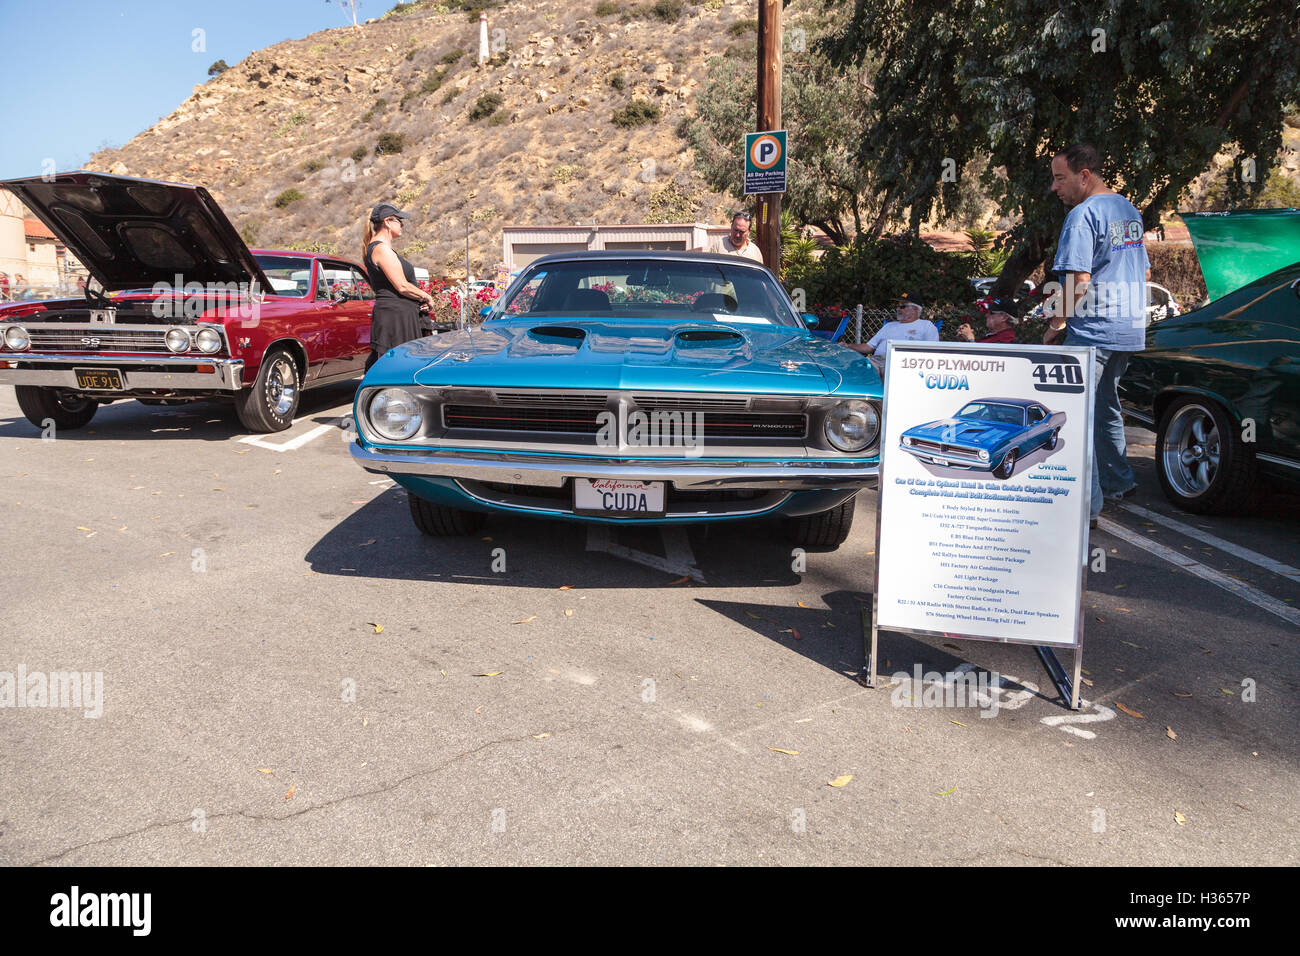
x=544 y=553
x=205 y=420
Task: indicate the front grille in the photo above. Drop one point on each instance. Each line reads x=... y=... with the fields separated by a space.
x=559 y=420
x=575 y=399
x=650 y=403
x=98 y=340
x=938 y=448
x=570 y=420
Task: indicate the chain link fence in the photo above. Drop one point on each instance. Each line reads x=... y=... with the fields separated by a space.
x=865 y=322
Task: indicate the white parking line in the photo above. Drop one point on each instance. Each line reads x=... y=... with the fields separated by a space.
x=1243 y=591
x=289 y=445
x=1254 y=557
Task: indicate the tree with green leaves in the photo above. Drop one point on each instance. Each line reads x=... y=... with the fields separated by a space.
x=1159 y=88
x=826 y=109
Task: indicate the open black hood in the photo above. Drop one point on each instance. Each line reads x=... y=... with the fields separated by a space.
x=134 y=233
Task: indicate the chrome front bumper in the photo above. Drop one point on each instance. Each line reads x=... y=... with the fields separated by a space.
x=227 y=374
x=552 y=471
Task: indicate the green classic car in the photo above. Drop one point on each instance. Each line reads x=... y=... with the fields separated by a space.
x=1221 y=384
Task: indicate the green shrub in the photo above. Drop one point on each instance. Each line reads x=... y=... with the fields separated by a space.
x=485 y=106
x=287 y=197
x=296 y=119
x=249 y=233
x=410 y=55
x=607 y=8
x=451 y=95
x=452 y=58
x=618 y=81
x=498 y=119
x=216 y=69
x=876 y=272
x=564 y=173
x=314 y=165
x=741 y=27
x=670 y=10
x=636 y=113
x=389 y=143
x=358 y=154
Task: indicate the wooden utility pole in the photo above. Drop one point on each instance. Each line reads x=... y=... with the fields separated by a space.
x=767 y=216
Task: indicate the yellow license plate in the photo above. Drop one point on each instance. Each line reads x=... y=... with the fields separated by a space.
x=98 y=378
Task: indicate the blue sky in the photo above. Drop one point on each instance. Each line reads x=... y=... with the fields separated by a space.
x=76 y=74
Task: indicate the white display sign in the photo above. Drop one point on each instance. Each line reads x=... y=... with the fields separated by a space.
x=985 y=482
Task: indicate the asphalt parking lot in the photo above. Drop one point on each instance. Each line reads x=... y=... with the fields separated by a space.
x=626 y=697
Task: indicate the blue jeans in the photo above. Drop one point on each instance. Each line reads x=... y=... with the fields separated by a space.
x=1111 y=473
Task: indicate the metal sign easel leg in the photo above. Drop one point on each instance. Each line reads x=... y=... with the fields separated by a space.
x=869 y=634
x=1068 y=689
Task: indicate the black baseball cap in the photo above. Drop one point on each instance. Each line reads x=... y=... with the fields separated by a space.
x=911 y=298
x=386 y=210
x=1008 y=305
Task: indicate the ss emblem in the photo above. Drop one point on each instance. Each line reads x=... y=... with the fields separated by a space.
x=90 y=343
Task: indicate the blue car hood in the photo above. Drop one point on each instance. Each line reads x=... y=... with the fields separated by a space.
x=594 y=353
x=961 y=431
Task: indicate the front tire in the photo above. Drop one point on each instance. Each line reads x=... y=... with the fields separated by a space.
x=824 y=530
x=1203 y=465
x=271 y=402
x=438 y=521
x=1007 y=467
x=41 y=404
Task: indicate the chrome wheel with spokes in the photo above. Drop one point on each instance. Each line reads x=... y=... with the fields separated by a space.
x=1201 y=459
x=271 y=402
x=282 y=386
x=1191 y=450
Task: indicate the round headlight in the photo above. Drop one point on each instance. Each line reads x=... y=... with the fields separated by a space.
x=852 y=425
x=178 y=340
x=984 y=455
x=395 y=413
x=907 y=440
x=208 y=340
x=16 y=338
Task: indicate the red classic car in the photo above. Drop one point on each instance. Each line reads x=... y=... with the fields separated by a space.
x=177 y=308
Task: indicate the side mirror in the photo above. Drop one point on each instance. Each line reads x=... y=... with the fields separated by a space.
x=484 y=312
x=338 y=294
x=809 y=319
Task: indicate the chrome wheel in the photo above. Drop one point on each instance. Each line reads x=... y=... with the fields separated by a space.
x=282 y=386
x=1191 y=451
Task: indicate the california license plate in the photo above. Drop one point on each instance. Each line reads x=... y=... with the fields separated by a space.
x=98 y=378
x=618 y=498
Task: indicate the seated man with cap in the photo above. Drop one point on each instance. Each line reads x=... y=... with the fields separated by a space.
x=1000 y=318
x=907 y=326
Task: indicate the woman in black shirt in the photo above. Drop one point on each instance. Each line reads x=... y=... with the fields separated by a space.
x=399 y=302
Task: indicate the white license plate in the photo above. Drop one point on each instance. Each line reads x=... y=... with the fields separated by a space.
x=940 y=461
x=616 y=496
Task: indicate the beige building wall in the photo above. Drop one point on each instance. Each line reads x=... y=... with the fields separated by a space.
x=13 y=244
x=520 y=245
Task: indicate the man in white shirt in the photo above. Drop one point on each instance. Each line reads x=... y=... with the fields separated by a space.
x=907 y=326
x=737 y=242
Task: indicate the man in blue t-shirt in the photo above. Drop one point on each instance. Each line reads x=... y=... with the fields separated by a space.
x=1103 y=268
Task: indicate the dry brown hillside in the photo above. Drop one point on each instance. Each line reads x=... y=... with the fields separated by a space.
x=529 y=138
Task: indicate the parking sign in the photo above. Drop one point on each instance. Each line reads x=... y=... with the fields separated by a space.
x=765 y=159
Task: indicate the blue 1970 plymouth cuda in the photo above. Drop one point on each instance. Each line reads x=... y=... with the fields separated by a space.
x=991 y=434
x=633 y=388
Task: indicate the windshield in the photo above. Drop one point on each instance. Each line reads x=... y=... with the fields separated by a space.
x=650 y=289
x=288 y=275
x=985 y=412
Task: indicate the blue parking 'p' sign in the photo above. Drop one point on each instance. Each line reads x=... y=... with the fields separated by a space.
x=765 y=162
